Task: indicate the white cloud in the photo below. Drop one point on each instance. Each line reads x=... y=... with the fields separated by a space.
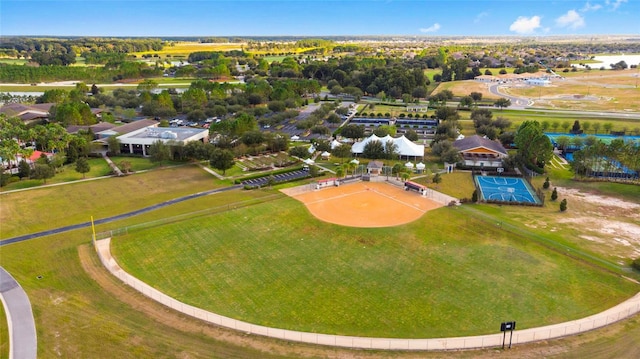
x=571 y=19
x=589 y=7
x=525 y=25
x=615 y=4
x=480 y=16
x=433 y=28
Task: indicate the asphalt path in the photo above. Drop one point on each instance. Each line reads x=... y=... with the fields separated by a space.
x=516 y=102
x=114 y=218
x=23 y=342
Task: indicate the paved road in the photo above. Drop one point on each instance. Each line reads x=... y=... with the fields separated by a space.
x=516 y=102
x=23 y=343
x=115 y=218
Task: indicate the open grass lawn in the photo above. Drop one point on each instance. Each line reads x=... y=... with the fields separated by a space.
x=466 y=87
x=184 y=48
x=584 y=95
x=517 y=117
x=606 y=91
x=75 y=317
x=431 y=72
x=137 y=163
x=52 y=207
x=43 y=88
x=447 y=274
x=99 y=168
x=393 y=110
x=564 y=231
x=546 y=225
x=12 y=61
x=271 y=59
x=458 y=184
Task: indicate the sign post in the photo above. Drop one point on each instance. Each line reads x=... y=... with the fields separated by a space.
x=507 y=326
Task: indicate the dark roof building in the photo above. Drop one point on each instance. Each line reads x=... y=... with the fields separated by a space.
x=482 y=152
x=98 y=127
x=27 y=113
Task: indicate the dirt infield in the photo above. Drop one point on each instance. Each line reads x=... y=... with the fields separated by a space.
x=365 y=204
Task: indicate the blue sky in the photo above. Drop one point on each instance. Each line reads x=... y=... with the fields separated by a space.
x=316 y=18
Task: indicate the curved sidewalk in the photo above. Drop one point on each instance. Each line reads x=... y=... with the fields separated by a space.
x=23 y=343
x=621 y=311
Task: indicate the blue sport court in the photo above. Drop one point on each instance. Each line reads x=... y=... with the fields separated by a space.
x=505 y=189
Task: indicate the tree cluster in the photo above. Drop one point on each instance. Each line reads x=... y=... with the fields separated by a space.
x=596 y=158
x=534 y=147
x=485 y=125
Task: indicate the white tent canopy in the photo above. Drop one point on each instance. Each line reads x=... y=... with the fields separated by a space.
x=325 y=154
x=408 y=165
x=404 y=146
x=420 y=166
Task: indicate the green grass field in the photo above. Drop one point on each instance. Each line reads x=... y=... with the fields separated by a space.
x=76 y=317
x=40 y=209
x=182 y=49
x=394 y=110
x=99 y=168
x=295 y=272
x=12 y=61
x=517 y=117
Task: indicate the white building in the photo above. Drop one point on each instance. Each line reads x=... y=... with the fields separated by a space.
x=539 y=81
x=404 y=146
x=139 y=141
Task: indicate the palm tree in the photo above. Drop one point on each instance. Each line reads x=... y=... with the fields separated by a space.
x=352 y=166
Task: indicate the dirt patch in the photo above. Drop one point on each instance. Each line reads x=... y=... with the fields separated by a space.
x=608 y=221
x=365 y=204
x=601 y=200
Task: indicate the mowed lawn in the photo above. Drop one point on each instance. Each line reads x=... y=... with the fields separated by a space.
x=446 y=274
x=51 y=207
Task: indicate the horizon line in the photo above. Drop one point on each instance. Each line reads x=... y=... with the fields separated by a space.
x=329 y=36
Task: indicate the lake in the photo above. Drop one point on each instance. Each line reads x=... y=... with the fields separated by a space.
x=606 y=60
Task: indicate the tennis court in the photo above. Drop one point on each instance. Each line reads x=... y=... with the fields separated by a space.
x=506 y=189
